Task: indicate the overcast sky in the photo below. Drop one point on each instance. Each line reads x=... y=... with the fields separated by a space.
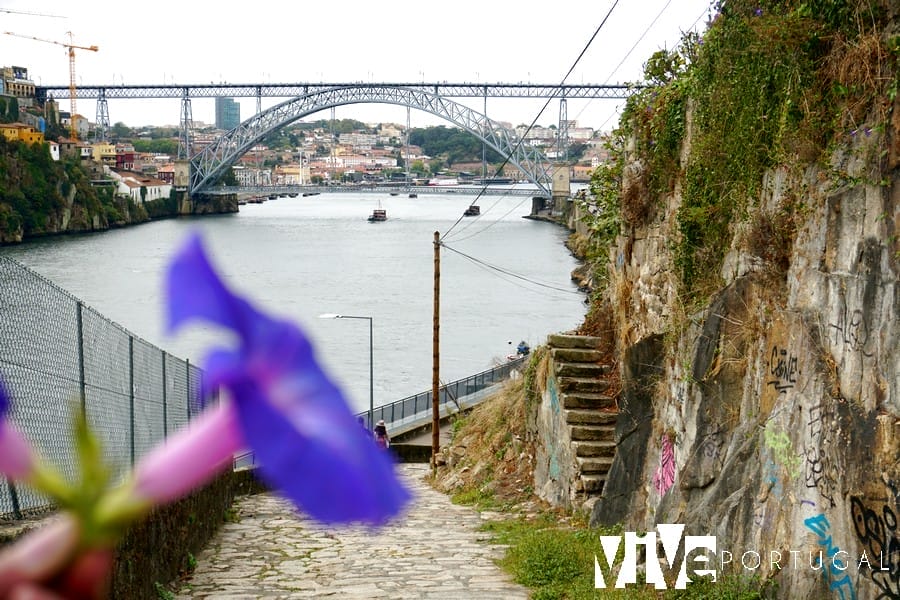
x=186 y=42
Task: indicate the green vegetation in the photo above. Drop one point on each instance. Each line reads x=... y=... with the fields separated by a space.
x=773 y=83
x=40 y=196
x=9 y=109
x=162 y=593
x=452 y=145
x=557 y=563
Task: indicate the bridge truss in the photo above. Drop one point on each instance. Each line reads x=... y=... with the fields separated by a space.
x=435 y=98
x=213 y=161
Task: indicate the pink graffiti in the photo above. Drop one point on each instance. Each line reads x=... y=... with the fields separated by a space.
x=665 y=472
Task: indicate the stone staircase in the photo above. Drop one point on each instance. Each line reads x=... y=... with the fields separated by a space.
x=590 y=408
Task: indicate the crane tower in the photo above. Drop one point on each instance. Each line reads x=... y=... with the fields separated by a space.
x=70 y=48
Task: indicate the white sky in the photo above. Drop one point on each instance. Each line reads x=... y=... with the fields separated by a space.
x=163 y=41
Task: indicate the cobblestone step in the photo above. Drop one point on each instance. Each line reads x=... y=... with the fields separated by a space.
x=604 y=448
x=593 y=465
x=593 y=433
x=582 y=370
x=564 y=340
x=592 y=484
x=581 y=384
x=576 y=355
x=582 y=416
x=585 y=400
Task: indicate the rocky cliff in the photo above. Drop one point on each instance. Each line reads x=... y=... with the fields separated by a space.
x=759 y=334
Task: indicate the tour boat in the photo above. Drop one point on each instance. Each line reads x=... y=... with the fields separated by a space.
x=379 y=214
x=473 y=211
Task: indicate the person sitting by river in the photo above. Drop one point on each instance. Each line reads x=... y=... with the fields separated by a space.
x=381 y=435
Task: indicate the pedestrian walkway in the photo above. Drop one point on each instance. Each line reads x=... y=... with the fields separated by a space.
x=434 y=551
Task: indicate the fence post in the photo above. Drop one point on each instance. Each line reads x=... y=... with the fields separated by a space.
x=14 y=496
x=187 y=371
x=131 y=396
x=164 y=392
x=79 y=327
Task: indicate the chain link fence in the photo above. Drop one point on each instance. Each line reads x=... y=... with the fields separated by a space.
x=58 y=356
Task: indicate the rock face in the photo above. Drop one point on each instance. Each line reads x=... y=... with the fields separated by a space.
x=771 y=418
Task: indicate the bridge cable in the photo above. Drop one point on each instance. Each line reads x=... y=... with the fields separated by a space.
x=496 y=269
x=522 y=138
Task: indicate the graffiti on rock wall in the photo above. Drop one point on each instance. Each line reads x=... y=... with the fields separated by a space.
x=833 y=566
x=818 y=470
x=664 y=476
x=779 y=444
x=783 y=370
x=876 y=528
x=712 y=445
x=851 y=330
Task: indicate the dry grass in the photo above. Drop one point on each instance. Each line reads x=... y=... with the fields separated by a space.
x=860 y=66
x=498 y=460
x=635 y=195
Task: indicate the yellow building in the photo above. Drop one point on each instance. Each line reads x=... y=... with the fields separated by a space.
x=21 y=132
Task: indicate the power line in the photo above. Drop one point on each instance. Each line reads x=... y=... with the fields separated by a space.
x=540 y=112
x=497 y=269
x=31 y=14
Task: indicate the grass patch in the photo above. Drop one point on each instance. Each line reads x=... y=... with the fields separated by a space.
x=475 y=497
x=557 y=563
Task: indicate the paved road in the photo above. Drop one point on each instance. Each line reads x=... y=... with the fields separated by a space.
x=433 y=552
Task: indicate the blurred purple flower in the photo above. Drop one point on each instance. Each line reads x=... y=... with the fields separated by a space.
x=288 y=411
x=16 y=457
x=757 y=12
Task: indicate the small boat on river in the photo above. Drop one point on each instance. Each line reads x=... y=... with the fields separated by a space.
x=473 y=211
x=379 y=214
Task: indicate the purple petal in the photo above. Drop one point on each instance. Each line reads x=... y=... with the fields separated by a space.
x=17 y=459
x=16 y=455
x=195 y=291
x=191 y=457
x=323 y=461
x=4 y=400
x=294 y=418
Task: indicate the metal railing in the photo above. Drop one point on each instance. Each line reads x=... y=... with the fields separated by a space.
x=418 y=406
x=59 y=356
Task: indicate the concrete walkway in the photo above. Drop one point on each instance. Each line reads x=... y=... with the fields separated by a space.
x=434 y=551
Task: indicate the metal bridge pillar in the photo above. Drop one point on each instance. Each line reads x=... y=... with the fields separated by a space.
x=101 y=129
x=186 y=123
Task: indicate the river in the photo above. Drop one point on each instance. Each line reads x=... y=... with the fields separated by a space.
x=306 y=256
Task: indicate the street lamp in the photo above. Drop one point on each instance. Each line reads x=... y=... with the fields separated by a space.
x=371 y=362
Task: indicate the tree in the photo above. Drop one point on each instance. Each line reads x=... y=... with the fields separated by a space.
x=121 y=131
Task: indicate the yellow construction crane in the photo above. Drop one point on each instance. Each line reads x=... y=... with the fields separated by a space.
x=70 y=47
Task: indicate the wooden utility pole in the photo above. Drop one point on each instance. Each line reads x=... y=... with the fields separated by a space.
x=436 y=357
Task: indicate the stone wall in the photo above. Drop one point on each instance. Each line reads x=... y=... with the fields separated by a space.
x=157 y=549
x=772 y=416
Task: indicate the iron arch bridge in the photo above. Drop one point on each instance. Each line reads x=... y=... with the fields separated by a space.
x=210 y=164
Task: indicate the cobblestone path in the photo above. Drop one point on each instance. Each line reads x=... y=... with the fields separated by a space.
x=432 y=552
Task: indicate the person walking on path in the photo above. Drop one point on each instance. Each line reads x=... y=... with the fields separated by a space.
x=381 y=435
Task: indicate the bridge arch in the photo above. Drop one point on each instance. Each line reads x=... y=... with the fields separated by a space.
x=208 y=165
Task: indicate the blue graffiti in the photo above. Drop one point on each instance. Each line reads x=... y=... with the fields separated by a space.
x=834 y=569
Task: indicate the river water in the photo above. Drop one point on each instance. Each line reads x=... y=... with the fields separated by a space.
x=303 y=257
